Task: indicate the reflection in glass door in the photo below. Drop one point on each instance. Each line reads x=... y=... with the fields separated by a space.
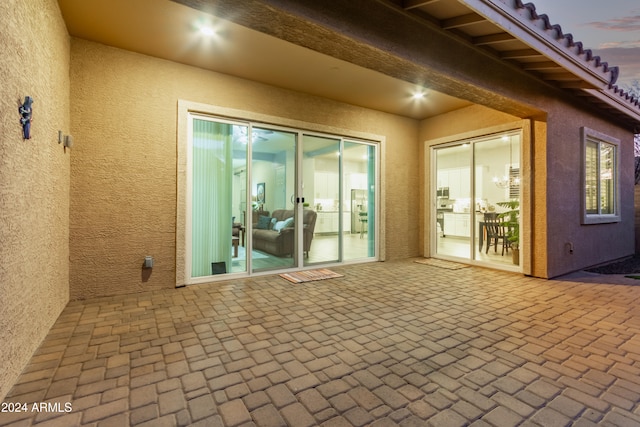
x=482 y=224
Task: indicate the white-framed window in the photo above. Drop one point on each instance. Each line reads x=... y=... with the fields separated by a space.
x=601 y=181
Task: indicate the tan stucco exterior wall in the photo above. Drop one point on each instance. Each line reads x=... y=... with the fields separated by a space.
x=123 y=171
x=34 y=180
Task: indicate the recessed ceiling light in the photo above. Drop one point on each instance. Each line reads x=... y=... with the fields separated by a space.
x=418 y=95
x=207 y=31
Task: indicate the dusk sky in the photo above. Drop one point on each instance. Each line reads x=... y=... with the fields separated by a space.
x=611 y=28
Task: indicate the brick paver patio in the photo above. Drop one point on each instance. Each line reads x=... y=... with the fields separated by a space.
x=396 y=343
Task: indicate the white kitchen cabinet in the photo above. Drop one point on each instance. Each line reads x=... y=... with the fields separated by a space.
x=450 y=224
x=323 y=222
x=327 y=222
x=457 y=180
x=326 y=185
x=465 y=183
x=346 y=222
x=457 y=225
x=462 y=225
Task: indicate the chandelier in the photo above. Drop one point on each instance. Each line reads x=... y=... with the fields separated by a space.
x=513 y=178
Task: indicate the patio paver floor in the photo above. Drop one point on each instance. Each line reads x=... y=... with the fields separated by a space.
x=395 y=343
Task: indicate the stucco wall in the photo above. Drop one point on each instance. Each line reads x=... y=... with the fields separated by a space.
x=123 y=186
x=34 y=180
x=595 y=243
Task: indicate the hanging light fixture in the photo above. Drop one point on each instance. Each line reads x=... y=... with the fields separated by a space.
x=513 y=178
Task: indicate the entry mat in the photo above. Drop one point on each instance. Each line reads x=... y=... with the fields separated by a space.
x=440 y=263
x=310 y=275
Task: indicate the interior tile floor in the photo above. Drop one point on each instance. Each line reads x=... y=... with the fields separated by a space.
x=393 y=343
x=459 y=247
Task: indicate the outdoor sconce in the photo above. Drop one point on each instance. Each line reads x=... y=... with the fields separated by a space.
x=65 y=140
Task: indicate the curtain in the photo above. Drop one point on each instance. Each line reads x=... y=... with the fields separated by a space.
x=212 y=174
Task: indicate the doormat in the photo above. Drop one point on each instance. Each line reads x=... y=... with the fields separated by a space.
x=440 y=263
x=310 y=275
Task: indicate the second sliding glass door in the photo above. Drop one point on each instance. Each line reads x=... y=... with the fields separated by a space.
x=477 y=192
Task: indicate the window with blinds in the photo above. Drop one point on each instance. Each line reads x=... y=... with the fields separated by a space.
x=601 y=192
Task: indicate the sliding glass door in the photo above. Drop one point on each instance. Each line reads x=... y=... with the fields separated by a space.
x=477 y=195
x=359 y=215
x=322 y=195
x=274 y=216
x=266 y=198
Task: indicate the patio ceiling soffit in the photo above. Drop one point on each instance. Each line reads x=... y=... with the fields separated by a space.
x=514 y=32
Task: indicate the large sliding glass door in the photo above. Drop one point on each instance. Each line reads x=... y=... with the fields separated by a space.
x=265 y=198
x=477 y=186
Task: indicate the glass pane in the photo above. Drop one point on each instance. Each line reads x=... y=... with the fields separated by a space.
x=322 y=210
x=358 y=218
x=497 y=192
x=454 y=207
x=273 y=178
x=607 y=178
x=217 y=159
x=591 y=178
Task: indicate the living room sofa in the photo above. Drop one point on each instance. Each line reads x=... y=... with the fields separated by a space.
x=269 y=237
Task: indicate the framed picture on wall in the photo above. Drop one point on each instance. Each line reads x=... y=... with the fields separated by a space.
x=260 y=195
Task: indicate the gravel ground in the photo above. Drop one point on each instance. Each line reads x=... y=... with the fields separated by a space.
x=626 y=266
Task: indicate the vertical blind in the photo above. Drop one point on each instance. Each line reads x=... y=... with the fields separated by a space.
x=212 y=197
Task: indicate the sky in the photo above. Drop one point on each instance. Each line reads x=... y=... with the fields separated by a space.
x=610 y=28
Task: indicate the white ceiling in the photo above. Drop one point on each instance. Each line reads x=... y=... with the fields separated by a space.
x=164 y=29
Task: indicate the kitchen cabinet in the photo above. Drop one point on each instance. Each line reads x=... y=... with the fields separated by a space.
x=346 y=222
x=462 y=225
x=458 y=180
x=327 y=222
x=450 y=224
x=326 y=185
x=457 y=225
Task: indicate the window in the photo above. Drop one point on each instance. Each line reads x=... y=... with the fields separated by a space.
x=601 y=182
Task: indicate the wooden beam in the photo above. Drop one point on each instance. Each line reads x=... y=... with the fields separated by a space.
x=539 y=66
x=577 y=84
x=414 y=4
x=520 y=53
x=492 y=39
x=560 y=76
x=461 y=21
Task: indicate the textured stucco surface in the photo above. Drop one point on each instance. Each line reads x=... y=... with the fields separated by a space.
x=596 y=243
x=123 y=172
x=34 y=180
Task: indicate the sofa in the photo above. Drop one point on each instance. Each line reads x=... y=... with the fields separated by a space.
x=274 y=234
